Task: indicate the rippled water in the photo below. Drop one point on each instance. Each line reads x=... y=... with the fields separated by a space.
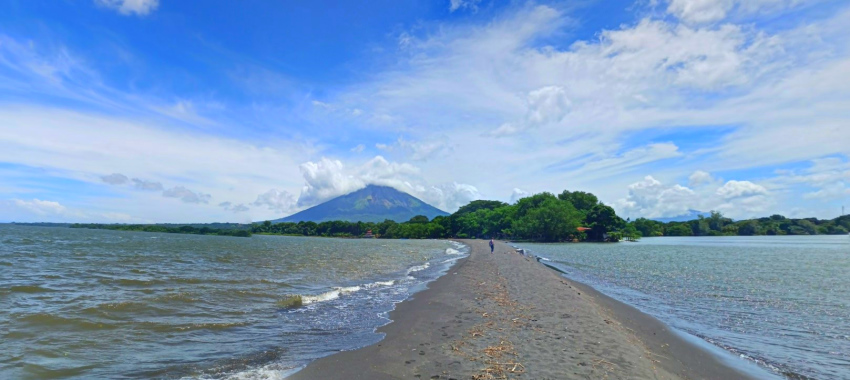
x=781 y=301
x=109 y=304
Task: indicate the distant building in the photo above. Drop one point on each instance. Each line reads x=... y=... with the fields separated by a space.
x=368 y=235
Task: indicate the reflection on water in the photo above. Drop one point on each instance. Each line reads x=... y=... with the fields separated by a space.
x=782 y=301
x=95 y=303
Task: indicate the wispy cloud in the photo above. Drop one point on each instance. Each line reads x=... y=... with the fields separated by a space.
x=129 y=7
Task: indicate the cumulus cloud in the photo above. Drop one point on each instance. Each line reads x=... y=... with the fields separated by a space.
x=547 y=105
x=699 y=178
x=127 y=7
x=115 y=179
x=652 y=199
x=276 y=200
x=141 y=184
x=738 y=189
x=186 y=195
x=447 y=197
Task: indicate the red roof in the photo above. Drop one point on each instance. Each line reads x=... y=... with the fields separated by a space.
x=582 y=229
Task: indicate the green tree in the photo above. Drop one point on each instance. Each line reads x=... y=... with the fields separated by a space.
x=601 y=219
x=581 y=200
x=418 y=219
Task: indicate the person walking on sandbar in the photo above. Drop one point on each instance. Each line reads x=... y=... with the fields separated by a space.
x=492 y=246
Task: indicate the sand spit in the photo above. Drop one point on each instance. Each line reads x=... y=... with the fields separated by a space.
x=506 y=316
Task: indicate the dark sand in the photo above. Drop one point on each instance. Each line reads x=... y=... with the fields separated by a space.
x=506 y=316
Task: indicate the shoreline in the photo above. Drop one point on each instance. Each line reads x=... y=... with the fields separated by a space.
x=504 y=315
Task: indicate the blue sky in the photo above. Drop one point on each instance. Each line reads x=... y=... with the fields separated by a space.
x=171 y=111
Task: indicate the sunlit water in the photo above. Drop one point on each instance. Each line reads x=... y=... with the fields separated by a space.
x=78 y=303
x=781 y=301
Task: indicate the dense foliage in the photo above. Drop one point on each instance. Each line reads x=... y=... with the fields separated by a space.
x=223 y=229
x=718 y=225
x=541 y=217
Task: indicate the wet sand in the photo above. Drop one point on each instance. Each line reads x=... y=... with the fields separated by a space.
x=506 y=316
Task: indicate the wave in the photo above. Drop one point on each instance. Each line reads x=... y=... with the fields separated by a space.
x=418 y=268
x=180 y=297
x=379 y=284
x=450 y=260
x=29 y=289
x=452 y=251
x=298 y=300
x=129 y=282
x=50 y=320
x=166 y=327
x=273 y=371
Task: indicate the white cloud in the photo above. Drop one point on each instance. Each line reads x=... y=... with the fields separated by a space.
x=359 y=148
x=518 y=194
x=578 y=113
x=126 y=7
x=325 y=179
x=41 y=207
x=545 y=105
x=83 y=146
x=738 y=189
x=699 y=178
x=449 y=196
x=468 y=4
x=651 y=199
x=186 y=195
x=708 y=11
x=700 y=11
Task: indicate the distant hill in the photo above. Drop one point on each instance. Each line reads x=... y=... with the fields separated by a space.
x=691 y=215
x=370 y=204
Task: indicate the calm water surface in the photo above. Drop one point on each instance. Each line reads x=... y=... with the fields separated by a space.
x=783 y=302
x=80 y=303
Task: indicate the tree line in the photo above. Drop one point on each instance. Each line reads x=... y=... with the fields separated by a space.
x=543 y=217
x=228 y=229
x=718 y=225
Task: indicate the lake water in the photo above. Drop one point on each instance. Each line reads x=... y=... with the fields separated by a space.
x=782 y=302
x=78 y=303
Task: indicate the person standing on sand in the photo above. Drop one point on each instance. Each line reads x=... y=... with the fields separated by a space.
x=492 y=246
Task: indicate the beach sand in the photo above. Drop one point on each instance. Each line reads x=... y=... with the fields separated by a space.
x=506 y=316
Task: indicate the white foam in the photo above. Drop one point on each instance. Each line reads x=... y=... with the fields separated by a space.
x=379 y=283
x=452 y=251
x=329 y=295
x=418 y=268
x=453 y=259
x=274 y=371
